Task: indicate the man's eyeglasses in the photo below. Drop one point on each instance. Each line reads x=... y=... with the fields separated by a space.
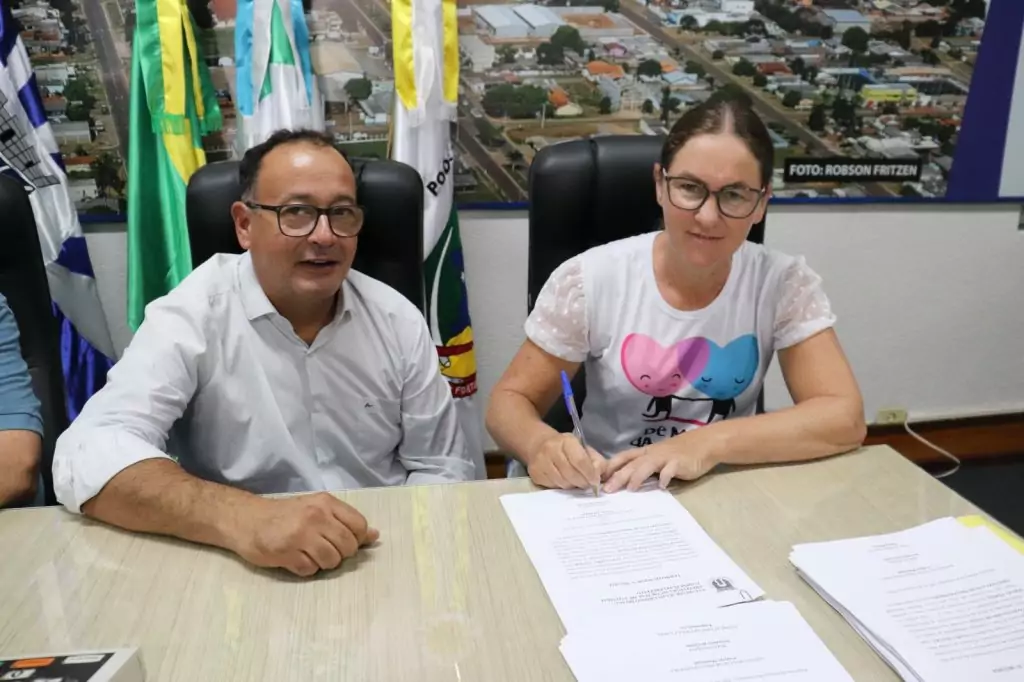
x=733 y=202
x=299 y=220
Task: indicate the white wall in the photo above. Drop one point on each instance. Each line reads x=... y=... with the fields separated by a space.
x=930 y=301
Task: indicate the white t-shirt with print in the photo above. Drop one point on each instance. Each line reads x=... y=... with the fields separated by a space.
x=653 y=371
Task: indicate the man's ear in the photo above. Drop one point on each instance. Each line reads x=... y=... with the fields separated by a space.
x=242 y=217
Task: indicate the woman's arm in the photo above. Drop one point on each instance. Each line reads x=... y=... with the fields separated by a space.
x=526 y=391
x=826 y=419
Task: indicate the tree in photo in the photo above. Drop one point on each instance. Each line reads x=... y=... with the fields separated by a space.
x=688 y=22
x=568 y=38
x=550 y=54
x=717 y=55
x=817 y=119
x=791 y=99
x=358 y=89
x=647 y=108
x=744 y=68
x=605 y=106
x=507 y=55
x=856 y=39
x=77 y=92
x=107 y=171
x=524 y=101
x=760 y=80
x=798 y=66
x=694 y=67
x=649 y=67
x=669 y=104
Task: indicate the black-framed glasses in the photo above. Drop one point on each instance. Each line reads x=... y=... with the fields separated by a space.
x=735 y=201
x=299 y=220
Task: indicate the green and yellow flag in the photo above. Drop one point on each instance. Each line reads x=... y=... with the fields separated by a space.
x=172 y=106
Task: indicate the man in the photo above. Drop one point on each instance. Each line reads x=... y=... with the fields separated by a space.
x=288 y=372
x=21 y=427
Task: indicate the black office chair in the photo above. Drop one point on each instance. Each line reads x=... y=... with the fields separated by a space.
x=585 y=193
x=390 y=243
x=23 y=283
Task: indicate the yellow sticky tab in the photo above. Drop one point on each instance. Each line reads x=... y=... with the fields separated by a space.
x=975 y=521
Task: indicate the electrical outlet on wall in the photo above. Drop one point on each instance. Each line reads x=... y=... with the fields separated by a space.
x=891 y=415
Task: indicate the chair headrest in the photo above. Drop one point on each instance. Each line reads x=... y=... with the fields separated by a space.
x=588 y=192
x=390 y=243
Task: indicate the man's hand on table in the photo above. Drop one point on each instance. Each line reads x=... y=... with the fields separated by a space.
x=302 y=534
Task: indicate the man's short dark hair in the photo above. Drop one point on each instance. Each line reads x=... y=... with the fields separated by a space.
x=249 y=166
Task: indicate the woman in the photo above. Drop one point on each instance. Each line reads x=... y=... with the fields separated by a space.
x=677 y=328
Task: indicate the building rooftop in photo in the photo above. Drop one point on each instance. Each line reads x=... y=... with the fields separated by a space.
x=499 y=16
x=537 y=15
x=845 y=15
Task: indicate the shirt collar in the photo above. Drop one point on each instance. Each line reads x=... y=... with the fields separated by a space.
x=255 y=300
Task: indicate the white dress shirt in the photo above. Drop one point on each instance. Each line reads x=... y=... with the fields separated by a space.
x=257 y=408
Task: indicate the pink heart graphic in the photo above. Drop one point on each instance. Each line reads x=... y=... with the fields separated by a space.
x=658 y=371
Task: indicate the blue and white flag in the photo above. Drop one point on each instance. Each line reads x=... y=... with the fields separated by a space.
x=29 y=153
x=275 y=84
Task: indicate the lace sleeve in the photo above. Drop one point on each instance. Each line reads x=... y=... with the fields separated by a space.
x=558 y=323
x=803 y=309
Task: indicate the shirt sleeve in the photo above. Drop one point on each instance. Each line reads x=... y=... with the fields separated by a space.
x=803 y=309
x=128 y=420
x=19 y=406
x=558 y=322
x=433 y=448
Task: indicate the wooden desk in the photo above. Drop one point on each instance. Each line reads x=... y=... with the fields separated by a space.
x=448 y=594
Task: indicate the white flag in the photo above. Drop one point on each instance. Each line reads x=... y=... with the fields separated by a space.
x=29 y=153
x=426 y=62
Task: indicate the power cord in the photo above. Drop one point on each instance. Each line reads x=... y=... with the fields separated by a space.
x=945 y=453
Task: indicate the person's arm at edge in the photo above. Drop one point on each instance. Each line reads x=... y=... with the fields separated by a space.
x=529 y=387
x=827 y=417
x=21 y=426
x=20 y=451
x=433 y=447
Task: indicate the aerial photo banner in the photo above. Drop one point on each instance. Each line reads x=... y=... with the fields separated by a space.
x=867 y=100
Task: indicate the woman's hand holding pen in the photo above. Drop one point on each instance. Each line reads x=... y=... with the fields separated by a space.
x=562 y=462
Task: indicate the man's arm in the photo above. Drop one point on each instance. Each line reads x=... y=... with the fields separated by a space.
x=433 y=447
x=302 y=534
x=128 y=420
x=21 y=426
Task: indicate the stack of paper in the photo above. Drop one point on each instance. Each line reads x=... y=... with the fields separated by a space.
x=760 y=641
x=939 y=602
x=638 y=585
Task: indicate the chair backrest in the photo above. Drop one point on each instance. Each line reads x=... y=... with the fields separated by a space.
x=585 y=193
x=390 y=243
x=23 y=283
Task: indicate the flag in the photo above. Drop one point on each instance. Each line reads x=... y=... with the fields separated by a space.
x=29 y=153
x=172 y=105
x=426 y=63
x=274 y=83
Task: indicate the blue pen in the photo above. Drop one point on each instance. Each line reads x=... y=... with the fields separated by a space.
x=570 y=405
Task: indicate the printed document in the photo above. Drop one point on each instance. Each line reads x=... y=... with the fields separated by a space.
x=940 y=602
x=627 y=554
x=767 y=641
